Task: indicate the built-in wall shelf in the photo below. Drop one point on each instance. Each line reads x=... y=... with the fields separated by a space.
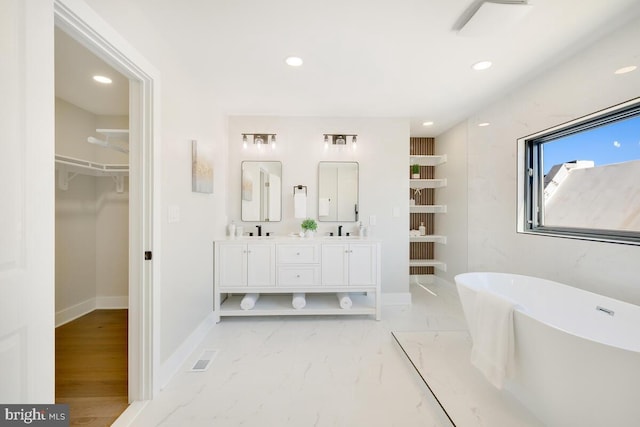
x=436 y=238
x=428 y=160
x=428 y=208
x=424 y=195
x=428 y=263
x=428 y=183
x=69 y=167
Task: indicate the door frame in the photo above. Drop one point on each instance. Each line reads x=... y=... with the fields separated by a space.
x=82 y=23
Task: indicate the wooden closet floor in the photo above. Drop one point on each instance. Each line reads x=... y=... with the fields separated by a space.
x=91 y=367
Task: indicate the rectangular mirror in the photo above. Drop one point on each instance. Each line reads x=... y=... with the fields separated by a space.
x=338 y=191
x=261 y=191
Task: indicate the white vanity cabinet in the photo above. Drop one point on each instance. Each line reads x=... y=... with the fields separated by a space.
x=298 y=265
x=247 y=265
x=349 y=264
x=276 y=268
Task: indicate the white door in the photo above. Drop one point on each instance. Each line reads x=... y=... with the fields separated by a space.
x=27 y=198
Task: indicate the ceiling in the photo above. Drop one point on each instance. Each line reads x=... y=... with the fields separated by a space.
x=75 y=67
x=364 y=58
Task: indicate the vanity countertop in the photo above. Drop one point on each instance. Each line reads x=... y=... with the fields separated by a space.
x=294 y=238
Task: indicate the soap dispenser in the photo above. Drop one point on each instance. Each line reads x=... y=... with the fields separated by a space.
x=422 y=229
x=232 y=229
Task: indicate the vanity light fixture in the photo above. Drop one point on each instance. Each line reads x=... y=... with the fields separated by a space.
x=260 y=139
x=340 y=139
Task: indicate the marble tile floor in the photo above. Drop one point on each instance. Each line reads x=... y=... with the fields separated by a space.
x=442 y=360
x=311 y=371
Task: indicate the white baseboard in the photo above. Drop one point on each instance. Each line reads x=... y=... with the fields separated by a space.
x=112 y=302
x=177 y=359
x=129 y=415
x=396 y=298
x=71 y=313
x=68 y=314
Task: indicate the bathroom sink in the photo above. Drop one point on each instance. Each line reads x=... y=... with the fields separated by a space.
x=342 y=237
x=257 y=237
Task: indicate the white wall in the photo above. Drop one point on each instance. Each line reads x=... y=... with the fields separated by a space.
x=92 y=263
x=382 y=155
x=188 y=111
x=583 y=84
x=453 y=223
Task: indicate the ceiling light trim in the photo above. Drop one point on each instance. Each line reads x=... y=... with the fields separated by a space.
x=102 y=79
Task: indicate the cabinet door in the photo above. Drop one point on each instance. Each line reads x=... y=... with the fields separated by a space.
x=362 y=264
x=232 y=262
x=334 y=264
x=261 y=265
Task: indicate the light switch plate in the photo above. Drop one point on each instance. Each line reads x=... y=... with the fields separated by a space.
x=174 y=214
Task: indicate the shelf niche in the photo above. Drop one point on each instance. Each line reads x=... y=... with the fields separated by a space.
x=422 y=249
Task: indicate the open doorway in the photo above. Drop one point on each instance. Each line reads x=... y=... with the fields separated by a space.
x=91 y=31
x=92 y=234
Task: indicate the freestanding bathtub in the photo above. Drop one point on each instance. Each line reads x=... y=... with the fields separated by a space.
x=577 y=354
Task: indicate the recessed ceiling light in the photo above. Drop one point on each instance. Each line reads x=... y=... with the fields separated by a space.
x=482 y=65
x=294 y=61
x=483 y=124
x=625 y=70
x=102 y=79
x=427 y=124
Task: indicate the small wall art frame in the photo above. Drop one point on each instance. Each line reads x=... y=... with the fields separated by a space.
x=201 y=169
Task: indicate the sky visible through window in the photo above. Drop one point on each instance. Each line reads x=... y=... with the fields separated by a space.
x=614 y=143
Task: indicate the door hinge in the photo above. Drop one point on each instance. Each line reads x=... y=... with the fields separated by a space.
x=148 y=255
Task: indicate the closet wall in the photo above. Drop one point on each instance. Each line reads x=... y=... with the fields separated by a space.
x=92 y=232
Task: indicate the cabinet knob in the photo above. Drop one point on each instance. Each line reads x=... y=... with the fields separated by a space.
x=297 y=253
x=297 y=276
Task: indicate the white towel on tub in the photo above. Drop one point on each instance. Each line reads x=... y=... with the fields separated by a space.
x=493 y=337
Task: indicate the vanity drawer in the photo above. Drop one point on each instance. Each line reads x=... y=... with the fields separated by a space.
x=299 y=276
x=298 y=254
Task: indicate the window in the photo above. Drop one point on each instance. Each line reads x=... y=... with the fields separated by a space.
x=582 y=179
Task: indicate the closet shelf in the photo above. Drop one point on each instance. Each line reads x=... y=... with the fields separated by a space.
x=70 y=167
x=121 y=134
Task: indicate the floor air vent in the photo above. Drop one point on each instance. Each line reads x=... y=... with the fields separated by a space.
x=203 y=363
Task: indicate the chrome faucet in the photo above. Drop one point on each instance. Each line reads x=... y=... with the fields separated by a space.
x=259 y=230
x=339 y=230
